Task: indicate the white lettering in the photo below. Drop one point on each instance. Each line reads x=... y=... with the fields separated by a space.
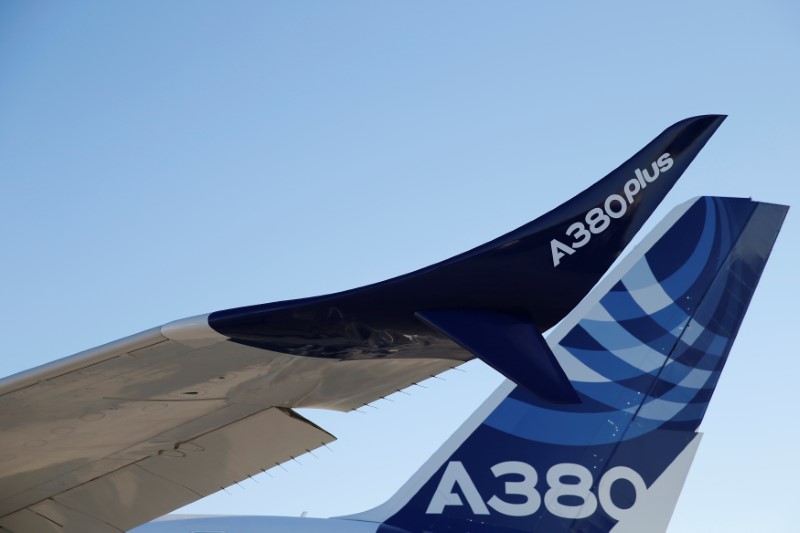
x=615 y=206
x=559 y=250
x=664 y=162
x=656 y=172
x=641 y=179
x=559 y=489
x=607 y=481
x=525 y=488
x=569 y=491
x=455 y=473
x=597 y=220
x=632 y=188
x=578 y=231
x=623 y=206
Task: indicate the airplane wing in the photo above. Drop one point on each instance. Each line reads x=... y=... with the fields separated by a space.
x=112 y=437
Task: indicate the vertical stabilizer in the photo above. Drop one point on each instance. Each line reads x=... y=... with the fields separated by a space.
x=643 y=351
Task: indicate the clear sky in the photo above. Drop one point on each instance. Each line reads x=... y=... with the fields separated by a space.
x=165 y=159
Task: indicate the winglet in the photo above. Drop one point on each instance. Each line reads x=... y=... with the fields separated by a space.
x=511 y=345
x=541 y=270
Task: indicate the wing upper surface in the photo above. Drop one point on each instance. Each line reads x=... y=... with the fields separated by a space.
x=118 y=435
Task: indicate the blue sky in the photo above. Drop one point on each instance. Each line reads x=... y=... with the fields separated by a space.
x=162 y=160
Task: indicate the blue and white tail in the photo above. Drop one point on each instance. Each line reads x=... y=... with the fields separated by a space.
x=643 y=351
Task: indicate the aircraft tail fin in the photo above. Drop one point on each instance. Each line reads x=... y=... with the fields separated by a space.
x=643 y=352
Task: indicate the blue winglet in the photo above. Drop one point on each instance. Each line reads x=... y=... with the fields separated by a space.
x=540 y=271
x=508 y=343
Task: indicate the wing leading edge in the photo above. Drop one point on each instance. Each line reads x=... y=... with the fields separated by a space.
x=120 y=434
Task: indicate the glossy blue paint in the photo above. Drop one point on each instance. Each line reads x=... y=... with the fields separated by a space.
x=511 y=345
x=513 y=274
x=651 y=382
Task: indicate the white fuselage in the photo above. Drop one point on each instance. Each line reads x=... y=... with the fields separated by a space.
x=254 y=524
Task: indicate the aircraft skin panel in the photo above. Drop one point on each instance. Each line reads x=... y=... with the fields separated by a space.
x=539 y=271
x=652 y=513
x=91 y=422
x=256 y=524
x=80 y=360
x=129 y=407
x=534 y=466
x=618 y=459
x=573 y=367
x=28 y=520
x=49 y=513
x=195 y=468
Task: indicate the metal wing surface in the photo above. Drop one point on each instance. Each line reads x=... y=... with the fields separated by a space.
x=113 y=437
